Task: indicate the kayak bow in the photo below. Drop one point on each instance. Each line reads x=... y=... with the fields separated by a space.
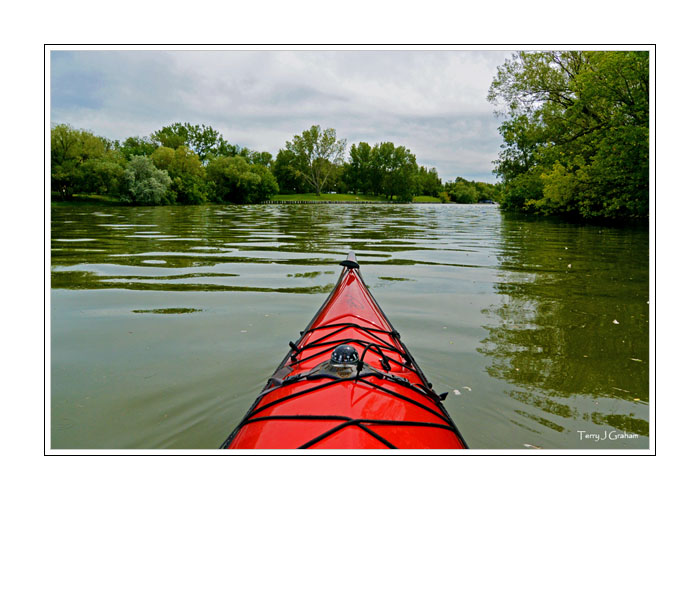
x=349 y=382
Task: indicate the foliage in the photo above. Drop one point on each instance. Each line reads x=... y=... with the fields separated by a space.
x=234 y=180
x=314 y=153
x=145 y=183
x=103 y=175
x=387 y=170
x=186 y=172
x=71 y=150
x=428 y=182
x=576 y=140
x=134 y=146
x=261 y=158
x=397 y=171
x=268 y=184
x=204 y=140
x=288 y=178
x=471 y=192
x=359 y=168
x=201 y=167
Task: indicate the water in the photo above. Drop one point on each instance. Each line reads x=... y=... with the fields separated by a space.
x=167 y=321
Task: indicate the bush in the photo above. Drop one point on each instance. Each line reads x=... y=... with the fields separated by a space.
x=145 y=183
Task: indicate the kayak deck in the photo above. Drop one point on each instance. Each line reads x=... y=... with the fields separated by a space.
x=381 y=401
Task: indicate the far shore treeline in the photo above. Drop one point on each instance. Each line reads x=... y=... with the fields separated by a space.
x=183 y=163
x=575 y=130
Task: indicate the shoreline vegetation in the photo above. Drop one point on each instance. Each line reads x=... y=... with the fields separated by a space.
x=186 y=164
x=575 y=134
x=310 y=198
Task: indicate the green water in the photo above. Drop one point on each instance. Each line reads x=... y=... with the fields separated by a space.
x=166 y=322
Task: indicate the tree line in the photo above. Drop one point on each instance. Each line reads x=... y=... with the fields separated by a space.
x=192 y=164
x=576 y=133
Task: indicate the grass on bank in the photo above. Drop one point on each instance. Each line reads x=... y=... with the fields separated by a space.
x=280 y=198
x=343 y=198
x=324 y=198
x=88 y=199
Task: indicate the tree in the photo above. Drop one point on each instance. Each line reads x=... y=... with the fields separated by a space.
x=145 y=183
x=380 y=158
x=262 y=158
x=400 y=174
x=70 y=150
x=463 y=191
x=233 y=179
x=104 y=175
x=267 y=187
x=428 y=182
x=133 y=146
x=204 y=140
x=188 y=177
x=357 y=174
x=288 y=178
x=576 y=140
x=393 y=171
x=314 y=153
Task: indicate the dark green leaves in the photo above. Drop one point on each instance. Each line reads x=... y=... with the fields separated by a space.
x=576 y=140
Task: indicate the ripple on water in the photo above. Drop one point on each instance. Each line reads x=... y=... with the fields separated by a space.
x=485 y=303
x=167 y=311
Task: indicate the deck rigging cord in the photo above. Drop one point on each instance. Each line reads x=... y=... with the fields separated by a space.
x=364 y=375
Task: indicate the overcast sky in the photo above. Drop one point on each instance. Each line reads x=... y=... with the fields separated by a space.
x=432 y=102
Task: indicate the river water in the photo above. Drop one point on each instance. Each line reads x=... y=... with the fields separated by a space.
x=167 y=321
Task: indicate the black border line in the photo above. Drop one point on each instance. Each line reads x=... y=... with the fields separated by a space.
x=397 y=47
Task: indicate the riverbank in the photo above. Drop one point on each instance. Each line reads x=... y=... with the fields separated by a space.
x=327 y=198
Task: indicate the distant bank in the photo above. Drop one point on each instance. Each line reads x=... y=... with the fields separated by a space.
x=328 y=198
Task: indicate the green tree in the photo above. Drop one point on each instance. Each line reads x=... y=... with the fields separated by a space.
x=400 y=175
x=287 y=176
x=224 y=148
x=261 y=158
x=133 y=146
x=428 y=182
x=393 y=171
x=576 y=140
x=235 y=180
x=314 y=153
x=71 y=149
x=461 y=191
x=358 y=171
x=188 y=185
x=267 y=187
x=103 y=175
x=145 y=183
x=380 y=159
x=204 y=140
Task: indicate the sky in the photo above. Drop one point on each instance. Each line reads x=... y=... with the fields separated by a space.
x=431 y=101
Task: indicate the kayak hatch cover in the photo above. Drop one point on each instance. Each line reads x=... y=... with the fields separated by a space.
x=348 y=382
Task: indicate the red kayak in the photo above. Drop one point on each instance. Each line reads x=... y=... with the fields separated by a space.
x=349 y=382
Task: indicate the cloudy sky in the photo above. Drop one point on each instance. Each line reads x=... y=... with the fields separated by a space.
x=432 y=102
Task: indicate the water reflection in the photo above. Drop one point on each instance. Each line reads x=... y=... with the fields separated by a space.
x=167 y=321
x=570 y=328
x=213 y=243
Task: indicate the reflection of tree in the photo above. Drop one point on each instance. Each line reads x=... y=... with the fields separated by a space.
x=573 y=319
x=169 y=247
x=323 y=228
